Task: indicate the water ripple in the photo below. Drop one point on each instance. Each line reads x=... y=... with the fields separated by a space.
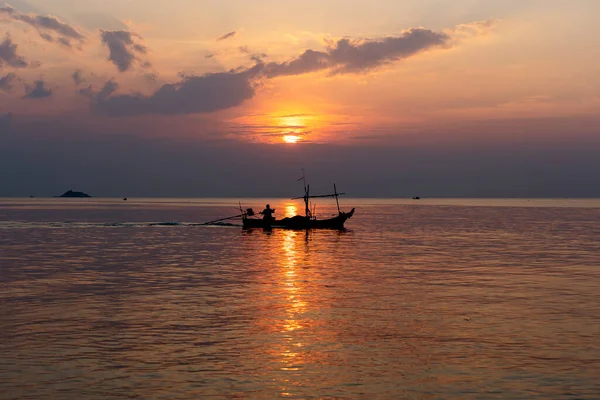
x=410 y=302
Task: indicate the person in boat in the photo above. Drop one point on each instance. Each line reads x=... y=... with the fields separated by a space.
x=268 y=213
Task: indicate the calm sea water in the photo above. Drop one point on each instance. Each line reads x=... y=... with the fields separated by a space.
x=430 y=299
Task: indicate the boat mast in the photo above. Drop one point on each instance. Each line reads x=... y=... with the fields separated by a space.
x=306 y=194
x=306 y=197
x=335 y=193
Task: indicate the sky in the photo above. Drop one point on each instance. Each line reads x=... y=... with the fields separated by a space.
x=387 y=98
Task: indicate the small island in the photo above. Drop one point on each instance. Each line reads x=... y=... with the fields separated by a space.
x=71 y=193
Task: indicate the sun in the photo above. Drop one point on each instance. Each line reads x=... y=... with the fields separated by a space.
x=291 y=138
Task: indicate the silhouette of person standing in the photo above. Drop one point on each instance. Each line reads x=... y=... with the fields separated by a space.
x=268 y=213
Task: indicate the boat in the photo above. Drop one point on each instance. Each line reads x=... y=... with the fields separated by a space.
x=300 y=222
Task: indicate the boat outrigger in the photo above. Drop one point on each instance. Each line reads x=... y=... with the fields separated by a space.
x=307 y=221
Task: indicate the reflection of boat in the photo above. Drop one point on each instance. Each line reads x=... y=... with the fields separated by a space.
x=307 y=221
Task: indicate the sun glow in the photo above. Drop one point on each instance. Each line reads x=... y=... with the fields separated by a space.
x=291 y=138
x=294 y=126
x=288 y=125
x=293 y=121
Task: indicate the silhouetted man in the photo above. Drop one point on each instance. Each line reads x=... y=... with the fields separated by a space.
x=268 y=213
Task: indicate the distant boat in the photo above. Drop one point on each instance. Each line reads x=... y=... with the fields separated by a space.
x=416 y=198
x=306 y=221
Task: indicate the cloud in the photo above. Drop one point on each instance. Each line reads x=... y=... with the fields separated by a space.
x=8 y=10
x=256 y=57
x=123 y=48
x=6 y=81
x=477 y=28
x=227 y=36
x=100 y=96
x=218 y=91
x=22 y=5
x=151 y=77
x=37 y=91
x=78 y=78
x=49 y=28
x=193 y=94
x=8 y=54
x=348 y=55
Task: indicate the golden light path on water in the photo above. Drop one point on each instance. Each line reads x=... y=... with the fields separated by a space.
x=290 y=210
x=294 y=304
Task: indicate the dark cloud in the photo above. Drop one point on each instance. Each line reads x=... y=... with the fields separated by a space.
x=151 y=77
x=347 y=56
x=109 y=88
x=37 y=91
x=63 y=41
x=53 y=24
x=49 y=28
x=47 y=37
x=256 y=57
x=193 y=94
x=227 y=36
x=8 y=54
x=7 y=81
x=100 y=96
x=124 y=50
x=78 y=78
x=218 y=91
x=309 y=61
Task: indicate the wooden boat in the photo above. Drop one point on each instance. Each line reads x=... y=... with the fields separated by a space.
x=307 y=221
x=299 y=222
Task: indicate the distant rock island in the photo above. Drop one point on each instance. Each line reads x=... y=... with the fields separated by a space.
x=71 y=193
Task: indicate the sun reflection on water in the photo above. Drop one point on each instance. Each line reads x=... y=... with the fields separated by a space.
x=292 y=357
x=290 y=210
x=295 y=305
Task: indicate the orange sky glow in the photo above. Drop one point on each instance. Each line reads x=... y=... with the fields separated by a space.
x=366 y=76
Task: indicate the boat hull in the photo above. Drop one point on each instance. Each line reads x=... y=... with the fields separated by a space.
x=299 y=222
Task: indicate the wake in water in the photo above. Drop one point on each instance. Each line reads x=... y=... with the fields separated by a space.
x=79 y=225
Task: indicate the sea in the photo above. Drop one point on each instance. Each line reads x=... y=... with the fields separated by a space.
x=415 y=299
